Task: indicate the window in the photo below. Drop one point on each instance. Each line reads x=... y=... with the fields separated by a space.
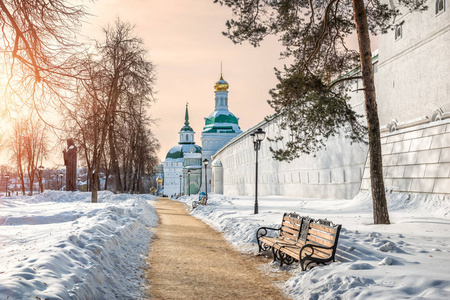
x=440 y=6
x=187 y=137
x=398 y=32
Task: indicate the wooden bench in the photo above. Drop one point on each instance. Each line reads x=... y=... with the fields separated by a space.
x=317 y=246
x=301 y=239
x=202 y=201
x=288 y=233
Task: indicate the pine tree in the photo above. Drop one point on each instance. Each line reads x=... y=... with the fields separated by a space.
x=311 y=98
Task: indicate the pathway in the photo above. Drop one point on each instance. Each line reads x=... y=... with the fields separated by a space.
x=189 y=260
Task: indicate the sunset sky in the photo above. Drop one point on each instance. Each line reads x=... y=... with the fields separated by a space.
x=185 y=42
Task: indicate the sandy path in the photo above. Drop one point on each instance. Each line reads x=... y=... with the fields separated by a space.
x=189 y=260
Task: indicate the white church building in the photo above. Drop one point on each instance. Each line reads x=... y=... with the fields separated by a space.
x=175 y=158
x=184 y=159
x=221 y=126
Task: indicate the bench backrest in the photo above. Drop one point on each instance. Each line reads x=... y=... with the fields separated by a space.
x=324 y=233
x=290 y=227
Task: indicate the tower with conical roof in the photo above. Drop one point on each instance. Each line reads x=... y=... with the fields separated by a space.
x=175 y=158
x=220 y=126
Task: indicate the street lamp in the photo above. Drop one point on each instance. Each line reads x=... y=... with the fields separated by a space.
x=180 y=185
x=258 y=135
x=6 y=184
x=189 y=181
x=205 y=162
x=41 y=185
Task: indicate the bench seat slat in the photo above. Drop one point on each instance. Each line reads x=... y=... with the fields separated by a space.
x=292 y=220
x=322 y=234
x=291 y=231
x=320 y=241
x=323 y=228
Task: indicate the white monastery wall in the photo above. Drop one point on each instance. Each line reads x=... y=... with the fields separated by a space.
x=332 y=173
x=413 y=70
x=416 y=159
x=173 y=168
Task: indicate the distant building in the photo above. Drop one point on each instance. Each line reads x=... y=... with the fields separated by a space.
x=174 y=162
x=221 y=126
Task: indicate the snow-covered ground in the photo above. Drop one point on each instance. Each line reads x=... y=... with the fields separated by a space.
x=58 y=245
x=408 y=259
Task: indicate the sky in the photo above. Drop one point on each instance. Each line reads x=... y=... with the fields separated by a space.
x=185 y=42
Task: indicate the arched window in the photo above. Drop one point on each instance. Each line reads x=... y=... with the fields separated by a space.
x=187 y=137
x=440 y=6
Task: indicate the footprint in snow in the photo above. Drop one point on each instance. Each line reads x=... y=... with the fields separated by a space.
x=360 y=266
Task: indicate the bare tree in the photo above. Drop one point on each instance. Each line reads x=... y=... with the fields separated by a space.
x=38 y=45
x=17 y=150
x=29 y=146
x=117 y=82
x=130 y=76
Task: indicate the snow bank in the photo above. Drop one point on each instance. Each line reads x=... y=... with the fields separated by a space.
x=407 y=259
x=58 y=245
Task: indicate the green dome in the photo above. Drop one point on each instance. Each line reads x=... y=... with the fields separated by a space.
x=186 y=128
x=218 y=117
x=178 y=150
x=221 y=121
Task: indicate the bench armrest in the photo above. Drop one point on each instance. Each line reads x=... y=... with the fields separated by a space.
x=264 y=230
x=310 y=256
x=312 y=249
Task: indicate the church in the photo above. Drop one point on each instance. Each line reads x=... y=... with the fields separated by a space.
x=183 y=166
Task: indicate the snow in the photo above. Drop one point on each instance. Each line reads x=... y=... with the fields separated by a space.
x=58 y=245
x=407 y=259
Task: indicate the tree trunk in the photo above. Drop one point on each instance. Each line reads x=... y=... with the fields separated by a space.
x=31 y=179
x=380 y=211
x=94 y=187
x=114 y=162
x=41 y=184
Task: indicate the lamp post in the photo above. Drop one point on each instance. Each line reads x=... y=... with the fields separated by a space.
x=258 y=135
x=189 y=181
x=180 y=185
x=205 y=162
x=41 y=184
x=6 y=184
